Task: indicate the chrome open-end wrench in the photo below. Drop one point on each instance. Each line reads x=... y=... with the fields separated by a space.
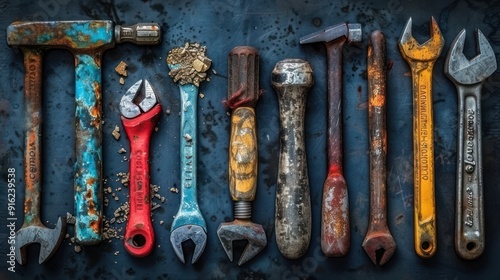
x=468 y=77
x=189 y=222
x=138 y=120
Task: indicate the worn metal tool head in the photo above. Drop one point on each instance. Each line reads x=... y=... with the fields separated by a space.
x=138 y=99
x=48 y=238
x=351 y=31
x=380 y=246
x=464 y=71
x=292 y=72
x=242 y=230
x=430 y=50
x=183 y=233
x=80 y=34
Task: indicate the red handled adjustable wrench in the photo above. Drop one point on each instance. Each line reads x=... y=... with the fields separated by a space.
x=139 y=118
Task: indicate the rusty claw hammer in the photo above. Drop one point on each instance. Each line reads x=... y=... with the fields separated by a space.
x=87 y=40
x=335 y=229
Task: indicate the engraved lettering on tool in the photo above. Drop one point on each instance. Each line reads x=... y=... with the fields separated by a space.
x=469 y=215
x=470 y=163
x=32 y=74
x=139 y=168
x=424 y=145
x=188 y=169
x=32 y=164
x=469 y=147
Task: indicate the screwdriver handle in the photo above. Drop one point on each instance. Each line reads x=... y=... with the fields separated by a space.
x=243 y=94
x=243 y=155
x=292 y=78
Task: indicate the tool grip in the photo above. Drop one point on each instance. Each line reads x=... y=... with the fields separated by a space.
x=139 y=234
x=423 y=137
x=33 y=146
x=377 y=69
x=243 y=155
x=88 y=151
x=292 y=80
x=335 y=228
x=469 y=231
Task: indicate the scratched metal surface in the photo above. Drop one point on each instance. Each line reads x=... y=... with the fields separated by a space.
x=273 y=27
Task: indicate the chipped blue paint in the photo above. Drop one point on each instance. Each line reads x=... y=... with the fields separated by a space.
x=73 y=35
x=95 y=33
x=88 y=166
x=189 y=212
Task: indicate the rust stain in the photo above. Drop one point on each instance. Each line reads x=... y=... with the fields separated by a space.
x=95 y=225
x=92 y=210
x=88 y=194
x=377 y=100
x=91 y=181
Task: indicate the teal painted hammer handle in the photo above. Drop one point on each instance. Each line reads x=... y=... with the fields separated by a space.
x=88 y=152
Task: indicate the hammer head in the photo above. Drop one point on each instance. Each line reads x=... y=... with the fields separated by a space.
x=464 y=71
x=351 y=31
x=242 y=230
x=48 y=238
x=92 y=35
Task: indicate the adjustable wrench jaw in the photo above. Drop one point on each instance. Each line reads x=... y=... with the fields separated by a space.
x=461 y=70
x=129 y=109
x=428 y=51
x=242 y=229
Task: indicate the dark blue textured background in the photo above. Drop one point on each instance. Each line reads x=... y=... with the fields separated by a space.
x=273 y=27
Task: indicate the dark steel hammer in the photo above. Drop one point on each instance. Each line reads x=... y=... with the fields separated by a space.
x=87 y=40
x=335 y=229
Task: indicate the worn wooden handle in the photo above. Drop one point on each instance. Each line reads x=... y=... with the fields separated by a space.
x=243 y=155
x=292 y=79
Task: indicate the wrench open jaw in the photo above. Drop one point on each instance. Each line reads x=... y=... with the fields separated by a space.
x=242 y=229
x=421 y=59
x=128 y=107
x=183 y=233
x=140 y=114
x=428 y=51
x=464 y=71
x=468 y=77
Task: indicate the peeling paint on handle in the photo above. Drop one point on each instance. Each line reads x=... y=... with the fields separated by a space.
x=88 y=166
x=189 y=212
x=292 y=79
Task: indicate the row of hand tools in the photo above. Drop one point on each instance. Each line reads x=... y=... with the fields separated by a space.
x=292 y=79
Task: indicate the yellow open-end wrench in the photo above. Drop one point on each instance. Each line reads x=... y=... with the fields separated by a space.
x=421 y=58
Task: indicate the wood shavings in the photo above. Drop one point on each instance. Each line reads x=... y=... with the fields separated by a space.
x=123 y=178
x=70 y=219
x=121 y=69
x=116 y=132
x=174 y=190
x=191 y=64
x=122 y=81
